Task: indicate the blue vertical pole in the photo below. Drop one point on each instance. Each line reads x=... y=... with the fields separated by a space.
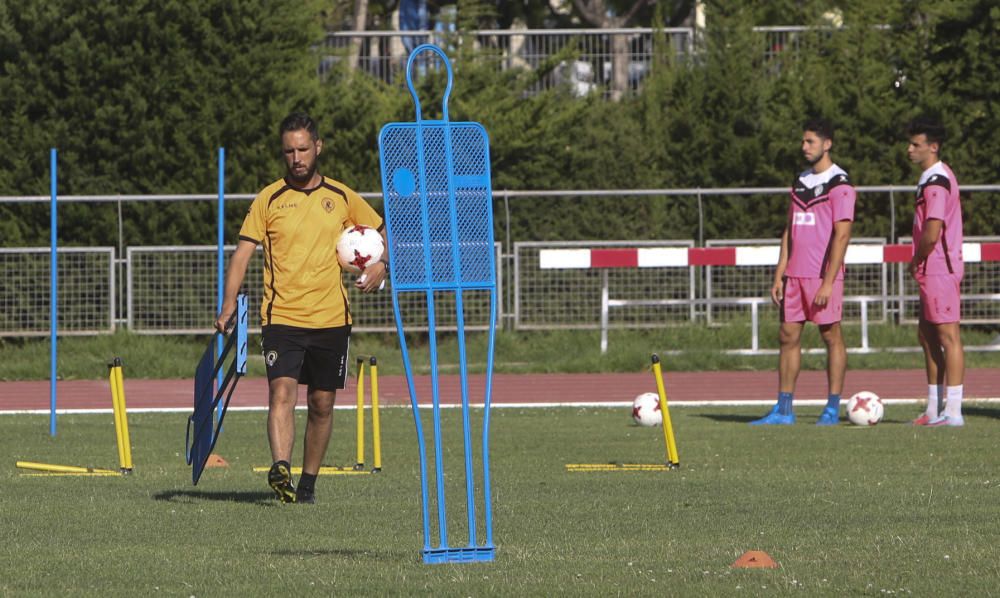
x=221 y=271
x=53 y=292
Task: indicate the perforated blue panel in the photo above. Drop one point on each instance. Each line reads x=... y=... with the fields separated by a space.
x=438 y=210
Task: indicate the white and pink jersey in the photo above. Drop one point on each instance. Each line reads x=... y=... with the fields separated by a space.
x=937 y=199
x=819 y=199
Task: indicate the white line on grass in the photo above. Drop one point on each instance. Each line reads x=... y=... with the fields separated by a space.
x=612 y=404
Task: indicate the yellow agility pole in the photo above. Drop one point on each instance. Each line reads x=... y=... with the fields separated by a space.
x=121 y=437
x=113 y=383
x=121 y=416
x=673 y=461
x=125 y=434
x=668 y=429
x=64 y=469
x=127 y=441
x=359 y=463
x=376 y=425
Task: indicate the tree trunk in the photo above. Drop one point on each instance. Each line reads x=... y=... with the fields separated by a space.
x=360 y=20
x=595 y=12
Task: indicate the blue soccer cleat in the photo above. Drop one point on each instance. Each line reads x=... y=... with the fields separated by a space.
x=773 y=418
x=947 y=420
x=829 y=417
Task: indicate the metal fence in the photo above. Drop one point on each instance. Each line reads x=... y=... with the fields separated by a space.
x=583 y=59
x=171 y=290
x=86 y=291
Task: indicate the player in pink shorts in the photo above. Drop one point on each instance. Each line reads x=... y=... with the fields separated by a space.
x=809 y=279
x=938 y=269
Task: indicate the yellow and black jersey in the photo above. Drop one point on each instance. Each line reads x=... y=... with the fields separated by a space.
x=299 y=229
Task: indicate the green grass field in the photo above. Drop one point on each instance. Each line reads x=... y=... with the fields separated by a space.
x=845 y=511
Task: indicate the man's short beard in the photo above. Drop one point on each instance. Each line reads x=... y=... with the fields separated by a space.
x=813 y=162
x=304 y=178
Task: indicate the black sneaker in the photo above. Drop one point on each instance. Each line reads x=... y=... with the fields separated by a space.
x=280 y=480
x=305 y=496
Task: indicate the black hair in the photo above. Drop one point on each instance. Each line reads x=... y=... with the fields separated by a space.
x=296 y=121
x=929 y=127
x=820 y=126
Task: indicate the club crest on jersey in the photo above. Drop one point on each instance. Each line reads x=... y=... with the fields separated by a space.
x=805 y=219
x=328 y=205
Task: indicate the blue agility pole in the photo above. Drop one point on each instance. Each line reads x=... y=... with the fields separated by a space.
x=53 y=291
x=439 y=220
x=220 y=260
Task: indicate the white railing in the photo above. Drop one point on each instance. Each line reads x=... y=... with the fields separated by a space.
x=583 y=59
x=755 y=304
x=124 y=286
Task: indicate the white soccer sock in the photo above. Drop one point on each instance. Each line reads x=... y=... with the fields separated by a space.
x=953 y=408
x=933 y=400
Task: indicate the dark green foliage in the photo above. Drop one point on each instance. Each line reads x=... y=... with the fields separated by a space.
x=139 y=96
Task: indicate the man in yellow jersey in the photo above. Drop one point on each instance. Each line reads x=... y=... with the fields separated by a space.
x=305 y=314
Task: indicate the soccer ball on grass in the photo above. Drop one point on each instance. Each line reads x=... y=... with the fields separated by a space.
x=865 y=409
x=646 y=410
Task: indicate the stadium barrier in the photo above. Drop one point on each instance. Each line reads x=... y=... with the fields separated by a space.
x=606 y=259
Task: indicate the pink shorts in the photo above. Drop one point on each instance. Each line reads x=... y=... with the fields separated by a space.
x=797 y=305
x=940 y=300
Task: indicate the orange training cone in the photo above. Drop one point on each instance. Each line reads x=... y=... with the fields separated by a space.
x=216 y=461
x=755 y=559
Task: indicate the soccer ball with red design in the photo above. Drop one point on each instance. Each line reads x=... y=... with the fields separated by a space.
x=359 y=247
x=646 y=410
x=865 y=409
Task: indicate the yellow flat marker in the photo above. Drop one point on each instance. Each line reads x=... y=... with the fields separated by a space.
x=50 y=468
x=325 y=470
x=586 y=467
x=56 y=474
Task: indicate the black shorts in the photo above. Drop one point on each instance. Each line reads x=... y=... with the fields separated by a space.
x=317 y=357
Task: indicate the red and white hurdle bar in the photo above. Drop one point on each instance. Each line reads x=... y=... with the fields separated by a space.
x=767 y=255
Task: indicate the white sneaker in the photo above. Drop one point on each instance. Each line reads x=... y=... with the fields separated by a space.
x=947 y=420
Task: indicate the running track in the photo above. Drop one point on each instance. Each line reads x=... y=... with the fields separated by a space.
x=510 y=389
